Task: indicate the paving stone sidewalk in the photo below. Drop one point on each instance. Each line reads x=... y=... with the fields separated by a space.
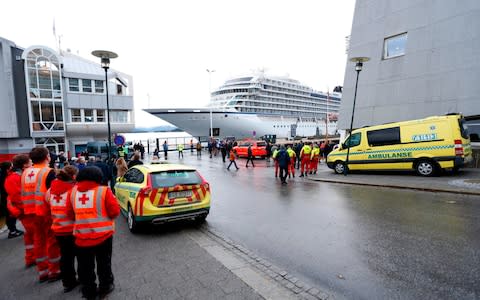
x=159 y=264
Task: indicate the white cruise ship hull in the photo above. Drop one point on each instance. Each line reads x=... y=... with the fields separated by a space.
x=240 y=125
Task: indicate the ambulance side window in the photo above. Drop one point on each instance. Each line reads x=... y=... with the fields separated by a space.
x=354 y=140
x=134 y=176
x=382 y=137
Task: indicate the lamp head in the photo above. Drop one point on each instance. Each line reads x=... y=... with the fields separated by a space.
x=105 y=57
x=359 y=62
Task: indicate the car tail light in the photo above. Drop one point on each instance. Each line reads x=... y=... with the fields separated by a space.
x=145 y=190
x=458 y=148
x=206 y=186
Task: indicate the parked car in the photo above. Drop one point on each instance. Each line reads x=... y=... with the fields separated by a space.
x=259 y=148
x=160 y=193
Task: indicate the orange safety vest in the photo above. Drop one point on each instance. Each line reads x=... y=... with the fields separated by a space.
x=33 y=188
x=91 y=218
x=61 y=224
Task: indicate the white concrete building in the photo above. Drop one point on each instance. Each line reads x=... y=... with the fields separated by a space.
x=58 y=100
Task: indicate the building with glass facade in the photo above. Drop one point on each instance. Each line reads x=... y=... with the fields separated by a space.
x=58 y=100
x=424 y=61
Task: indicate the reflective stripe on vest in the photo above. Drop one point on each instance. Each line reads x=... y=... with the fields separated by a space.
x=91 y=219
x=58 y=206
x=33 y=188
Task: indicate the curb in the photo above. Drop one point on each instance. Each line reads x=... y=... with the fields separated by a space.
x=282 y=277
x=436 y=190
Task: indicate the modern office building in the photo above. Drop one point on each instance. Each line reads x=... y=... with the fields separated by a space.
x=58 y=100
x=424 y=61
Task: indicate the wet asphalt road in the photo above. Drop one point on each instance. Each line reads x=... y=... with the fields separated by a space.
x=351 y=241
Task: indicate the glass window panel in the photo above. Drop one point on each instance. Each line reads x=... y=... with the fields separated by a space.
x=395 y=46
x=86 y=85
x=88 y=115
x=37 y=126
x=44 y=79
x=73 y=84
x=58 y=111
x=37 y=51
x=76 y=115
x=99 y=86
x=100 y=115
x=32 y=77
x=56 y=80
x=35 y=111
x=34 y=93
x=58 y=126
x=47 y=111
x=46 y=94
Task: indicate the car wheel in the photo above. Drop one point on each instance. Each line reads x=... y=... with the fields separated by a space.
x=339 y=167
x=425 y=168
x=132 y=224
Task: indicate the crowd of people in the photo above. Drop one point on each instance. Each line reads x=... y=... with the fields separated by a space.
x=68 y=213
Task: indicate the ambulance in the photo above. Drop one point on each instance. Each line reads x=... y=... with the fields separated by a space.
x=426 y=146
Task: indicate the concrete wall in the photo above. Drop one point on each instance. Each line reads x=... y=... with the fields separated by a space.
x=8 y=116
x=438 y=74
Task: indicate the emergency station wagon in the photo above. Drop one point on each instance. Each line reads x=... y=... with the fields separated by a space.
x=259 y=148
x=426 y=146
x=160 y=193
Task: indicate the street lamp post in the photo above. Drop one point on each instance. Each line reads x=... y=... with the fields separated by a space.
x=210 y=94
x=105 y=62
x=358 y=67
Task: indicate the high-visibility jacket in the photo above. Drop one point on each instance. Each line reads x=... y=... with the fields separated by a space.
x=291 y=153
x=180 y=147
x=91 y=217
x=13 y=189
x=34 y=187
x=305 y=152
x=315 y=153
x=275 y=153
x=61 y=223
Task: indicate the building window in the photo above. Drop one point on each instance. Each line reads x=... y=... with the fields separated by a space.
x=119 y=89
x=76 y=115
x=395 y=46
x=88 y=113
x=99 y=86
x=100 y=116
x=86 y=85
x=54 y=144
x=119 y=116
x=73 y=85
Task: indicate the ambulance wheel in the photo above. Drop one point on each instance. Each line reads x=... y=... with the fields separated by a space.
x=132 y=224
x=425 y=167
x=339 y=167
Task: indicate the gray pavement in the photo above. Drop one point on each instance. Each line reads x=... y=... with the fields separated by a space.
x=466 y=181
x=178 y=261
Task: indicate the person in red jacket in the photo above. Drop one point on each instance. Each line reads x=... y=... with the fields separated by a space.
x=94 y=208
x=55 y=211
x=15 y=206
x=35 y=182
x=13 y=232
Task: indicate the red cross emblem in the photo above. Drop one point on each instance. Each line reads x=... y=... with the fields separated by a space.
x=31 y=175
x=57 y=198
x=84 y=199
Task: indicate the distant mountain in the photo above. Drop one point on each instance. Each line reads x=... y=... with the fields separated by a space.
x=165 y=128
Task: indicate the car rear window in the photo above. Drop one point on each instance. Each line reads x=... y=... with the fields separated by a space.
x=463 y=128
x=175 y=177
x=261 y=144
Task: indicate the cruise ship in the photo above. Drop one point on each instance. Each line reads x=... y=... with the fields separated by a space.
x=259 y=105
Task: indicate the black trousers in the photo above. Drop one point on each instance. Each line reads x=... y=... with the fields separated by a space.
x=87 y=256
x=67 y=259
x=283 y=173
x=250 y=159
x=232 y=162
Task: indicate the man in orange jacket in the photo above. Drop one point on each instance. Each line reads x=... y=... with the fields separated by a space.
x=15 y=206
x=55 y=211
x=35 y=182
x=94 y=208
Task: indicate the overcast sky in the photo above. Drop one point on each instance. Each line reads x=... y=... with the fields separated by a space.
x=168 y=45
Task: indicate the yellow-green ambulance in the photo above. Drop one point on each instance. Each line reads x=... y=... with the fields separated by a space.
x=426 y=146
